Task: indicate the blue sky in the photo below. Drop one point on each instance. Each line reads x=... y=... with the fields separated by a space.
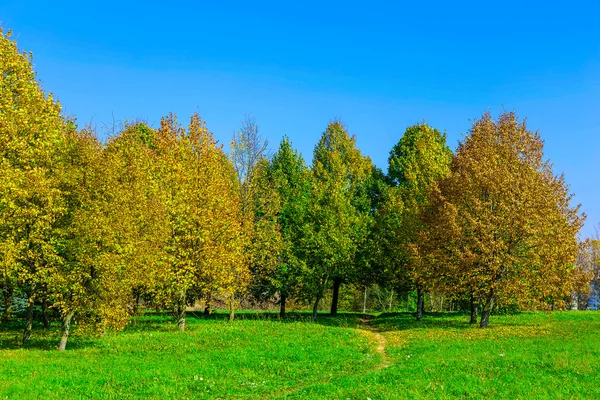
x=378 y=66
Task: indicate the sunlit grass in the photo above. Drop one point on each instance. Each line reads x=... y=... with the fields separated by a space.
x=528 y=355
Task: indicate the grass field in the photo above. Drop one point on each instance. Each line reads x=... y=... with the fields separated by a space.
x=527 y=355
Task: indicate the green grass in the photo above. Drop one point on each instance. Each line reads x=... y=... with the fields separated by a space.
x=527 y=355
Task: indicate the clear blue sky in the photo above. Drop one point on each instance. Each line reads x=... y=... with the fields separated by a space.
x=378 y=66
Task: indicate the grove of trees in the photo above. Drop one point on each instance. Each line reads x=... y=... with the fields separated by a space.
x=162 y=217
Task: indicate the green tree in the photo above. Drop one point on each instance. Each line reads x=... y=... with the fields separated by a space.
x=338 y=214
x=419 y=159
x=284 y=194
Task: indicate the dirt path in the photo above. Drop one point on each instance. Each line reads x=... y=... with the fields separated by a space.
x=380 y=341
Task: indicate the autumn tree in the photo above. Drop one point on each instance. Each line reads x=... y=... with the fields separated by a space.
x=416 y=163
x=338 y=214
x=133 y=208
x=31 y=137
x=206 y=239
x=501 y=225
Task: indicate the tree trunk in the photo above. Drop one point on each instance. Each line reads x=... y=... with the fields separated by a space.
x=207 y=306
x=136 y=303
x=45 y=317
x=28 y=322
x=420 y=301
x=181 y=313
x=231 y=308
x=8 y=296
x=336 y=293
x=487 y=309
x=391 y=300
x=282 y=306
x=473 y=311
x=315 y=308
x=66 y=328
x=365 y=302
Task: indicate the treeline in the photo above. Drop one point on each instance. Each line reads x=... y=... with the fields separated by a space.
x=163 y=217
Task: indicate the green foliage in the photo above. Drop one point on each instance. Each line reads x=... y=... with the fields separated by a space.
x=338 y=215
x=416 y=163
x=282 y=203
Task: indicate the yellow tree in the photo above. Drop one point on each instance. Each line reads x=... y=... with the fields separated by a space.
x=133 y=207
x=206 y=236
x=501 y=225
x=75 y=284
x=31 y=137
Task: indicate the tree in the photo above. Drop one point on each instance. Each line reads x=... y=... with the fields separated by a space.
x=260 y=203
x=134 y=231
x=31 y=137
x=416 y=163
x=501 y=225
x=248 y=151
x=338 y=214
x=586 y=274
x=284 y=190
x=206 y=238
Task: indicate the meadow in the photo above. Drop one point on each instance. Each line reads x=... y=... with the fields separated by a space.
x=357 y=356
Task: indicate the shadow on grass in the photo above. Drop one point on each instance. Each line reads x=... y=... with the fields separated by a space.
x=11 y=337
x=457 y=320
x=47 y=339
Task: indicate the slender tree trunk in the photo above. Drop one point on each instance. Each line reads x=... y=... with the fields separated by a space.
x=391 y=300
x=315 y=308
x=207 y=306
x=103 y=329
x=66 y=328
x=473 y=311
x=136 y=304
x=420 y=301
x=365 y=302
x=487 y=309
x=181 y=312
x=231 y=308
x=282 y=301
x=408 y=302
x=8 y=307
x=336 y=293
x=28 y=322
x=45 y=317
